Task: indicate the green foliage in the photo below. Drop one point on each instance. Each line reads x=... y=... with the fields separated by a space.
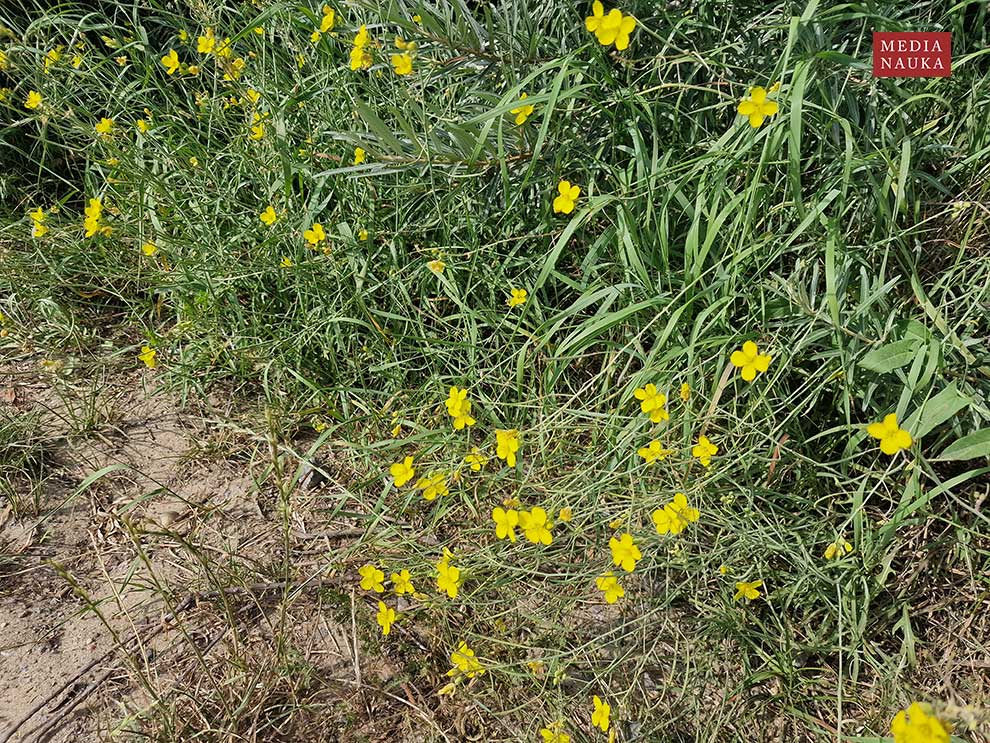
x=846 y=236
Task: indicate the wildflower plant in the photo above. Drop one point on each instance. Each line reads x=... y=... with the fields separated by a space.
x=594 y=333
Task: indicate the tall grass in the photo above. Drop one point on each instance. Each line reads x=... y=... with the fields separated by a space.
x=846 y=236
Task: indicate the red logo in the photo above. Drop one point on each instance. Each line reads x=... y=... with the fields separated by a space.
x=912 y=54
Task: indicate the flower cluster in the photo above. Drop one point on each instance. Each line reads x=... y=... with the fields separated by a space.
x=360 y=50
x=459 y=408
x=674 y=517
x=93 y=216
x=535 y=524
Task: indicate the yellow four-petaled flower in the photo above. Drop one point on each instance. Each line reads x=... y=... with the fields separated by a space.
x=567 y=196
x=625 y=553
x=611 y=28
x=756 y=107
x=523 y=111
x=892 y=437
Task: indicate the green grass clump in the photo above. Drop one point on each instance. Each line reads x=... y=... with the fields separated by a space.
x=846 y=236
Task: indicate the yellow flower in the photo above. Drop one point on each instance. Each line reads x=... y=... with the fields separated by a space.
x=183 y=36
x=402 y=63
x=104 y=127
x=193 y=69
x=268 y=216
x=750 y=360
x=459 y=408
x=401 y=43
x=685 y=392
x=142 y=126
x=553 y=733
x=385 y=617
x=600 y=716
x=608 y=584
x=437 y=266
x=315 y=234
x=171 y=61
x=260 y=30
x=402 y=471
x=566 y=196
x=362 y=234
x=505 y=523
x=476 y=459
x=233 y=70
x=360 y=56
x=149 y=248
x=652 y=403
x=838 y=548
x=704 y=450
x=33 y=100
x=286 y=262
x=53 y=56
x=359 y=155
x=315 y=36
x=257 y=126
x=206 y=43
x=749 y=591
x=675 y=516
x=892 y=437
x=147 y=355
x=360 y=59
x=523 y=111
x=565 y=514
x=723 y=569
x=402 y=582
x=4 y=64
x=93 y=212
x=77 y=61
x=417 y=19
x=612 y=28
x=121 y=60
x=534 y=526
x=507 y=445
x=372 y=578
x=38 y=228
x=625 y=553
x=448 y=577
x=433 y=485
x=253 y=95
x=654 y=452
x=916 y=724
x=194 y=161
x=465 y=662
x=757 y=107
x=518 y=297
x=329 y=18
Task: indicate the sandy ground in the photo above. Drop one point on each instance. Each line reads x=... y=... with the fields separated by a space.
x=82 y=572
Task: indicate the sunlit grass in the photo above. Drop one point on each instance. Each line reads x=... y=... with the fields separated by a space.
x=344 y=295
